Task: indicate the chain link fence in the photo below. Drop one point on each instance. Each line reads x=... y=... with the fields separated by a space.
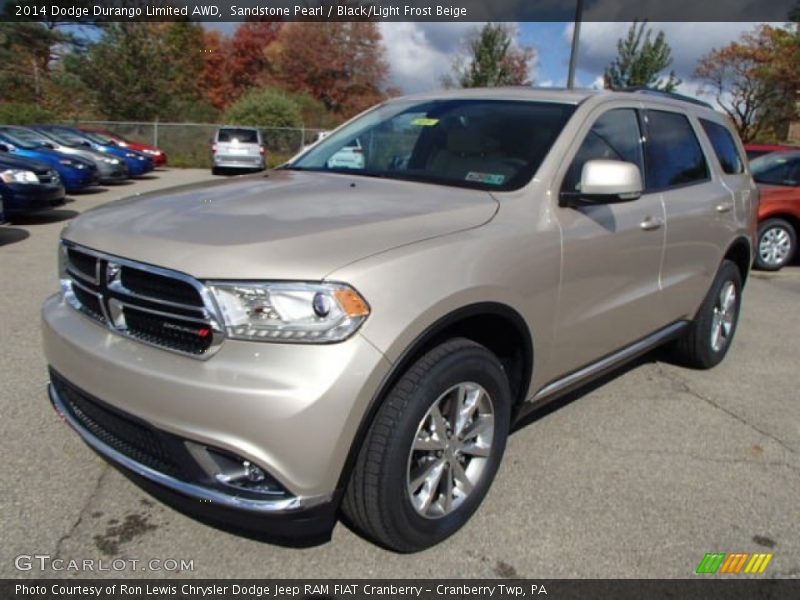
x=189 y=144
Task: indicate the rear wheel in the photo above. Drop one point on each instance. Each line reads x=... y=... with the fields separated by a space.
x=709 y=337
x=433 y=449
x=777 y=243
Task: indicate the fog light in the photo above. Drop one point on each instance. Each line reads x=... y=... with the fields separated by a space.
x=253 y=472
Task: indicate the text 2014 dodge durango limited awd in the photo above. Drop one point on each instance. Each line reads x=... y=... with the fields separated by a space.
x=269 y=353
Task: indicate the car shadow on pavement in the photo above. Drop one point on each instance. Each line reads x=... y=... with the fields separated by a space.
x=90 y=191
x=43 y=218
x=146 y=177
x=12 y=235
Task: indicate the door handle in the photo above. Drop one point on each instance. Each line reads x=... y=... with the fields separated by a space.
x=724 y=207
x=650 y=224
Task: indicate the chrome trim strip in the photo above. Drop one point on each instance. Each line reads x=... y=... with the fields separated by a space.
x=620 y=356
x=116 y=286
x=152 y=311
x=285 y=505
x=73 y=272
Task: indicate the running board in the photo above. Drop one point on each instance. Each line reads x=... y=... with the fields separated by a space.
x=583 y=375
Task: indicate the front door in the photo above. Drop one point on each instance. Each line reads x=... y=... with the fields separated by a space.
x=610 y=291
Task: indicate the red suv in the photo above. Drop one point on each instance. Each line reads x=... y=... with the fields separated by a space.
x=157 y=154
x=778 y=177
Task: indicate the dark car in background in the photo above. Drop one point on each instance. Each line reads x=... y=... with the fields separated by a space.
x=110 y=169
x=76 y=173
x=28 y=186
x=157 y=154
x=138 y=164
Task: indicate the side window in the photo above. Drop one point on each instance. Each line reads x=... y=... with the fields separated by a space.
x=614 y=136
x=724 y=147
x=674 y=156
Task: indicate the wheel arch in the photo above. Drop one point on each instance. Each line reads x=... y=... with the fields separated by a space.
x=497 y=326
x=740 y=253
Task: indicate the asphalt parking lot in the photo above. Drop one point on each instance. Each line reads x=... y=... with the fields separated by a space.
x=638 y=476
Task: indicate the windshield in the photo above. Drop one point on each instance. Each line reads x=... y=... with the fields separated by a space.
x=19 y=141
x=97 y=138
x=65 y=136
x=25 y=136
x=241 y=136
x=778 y=168
x=483 y=144
x=56 y=137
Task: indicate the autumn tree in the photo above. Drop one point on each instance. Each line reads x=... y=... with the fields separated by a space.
x=147 y=70
x=341 y=64
x=640 y=61
x=755 y=79
x=494 y=60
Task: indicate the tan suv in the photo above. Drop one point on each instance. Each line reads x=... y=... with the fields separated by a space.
x=273 y=352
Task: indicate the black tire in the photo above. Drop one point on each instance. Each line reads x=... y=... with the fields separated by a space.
x=377 y=502
x=216 y=171
x=695 y=348
x=772 y=227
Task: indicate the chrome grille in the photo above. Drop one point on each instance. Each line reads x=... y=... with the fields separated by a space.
x=153 y=305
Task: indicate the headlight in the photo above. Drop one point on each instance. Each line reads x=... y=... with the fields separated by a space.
x=152 y=152
x=18 y=176
x=130 y=155
x=289 y=312
x=111 y=161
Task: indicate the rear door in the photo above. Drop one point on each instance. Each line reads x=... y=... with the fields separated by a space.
x=698 y=204
x=610 y=294
x=237 y=144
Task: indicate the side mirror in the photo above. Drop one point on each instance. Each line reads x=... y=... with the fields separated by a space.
x=606 y=182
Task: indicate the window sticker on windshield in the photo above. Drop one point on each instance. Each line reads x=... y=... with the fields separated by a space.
x=488 y=178
x=422 y=121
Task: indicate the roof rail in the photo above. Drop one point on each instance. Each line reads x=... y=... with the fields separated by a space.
x=663 y=94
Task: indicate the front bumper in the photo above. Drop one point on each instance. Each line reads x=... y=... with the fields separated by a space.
x=240 y=162
x=293 y=410
x=113 y=173
x=30 y=198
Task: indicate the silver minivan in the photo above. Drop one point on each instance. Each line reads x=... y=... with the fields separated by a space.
x=238 y=148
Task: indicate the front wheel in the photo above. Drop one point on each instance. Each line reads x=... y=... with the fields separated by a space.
x=709 y=336
x=433 y=449
x=777 y=242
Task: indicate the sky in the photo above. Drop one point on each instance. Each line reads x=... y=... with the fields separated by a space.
x=420 y=53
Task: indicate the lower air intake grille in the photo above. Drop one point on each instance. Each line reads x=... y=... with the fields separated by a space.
x=135 y=440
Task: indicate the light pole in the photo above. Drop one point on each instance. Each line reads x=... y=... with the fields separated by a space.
x=576 y=34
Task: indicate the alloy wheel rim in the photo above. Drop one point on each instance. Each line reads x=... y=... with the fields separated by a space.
x=723 y=316
x=774 y=246
x=450 y=450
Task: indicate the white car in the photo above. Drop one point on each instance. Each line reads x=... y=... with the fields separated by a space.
x=350 y=156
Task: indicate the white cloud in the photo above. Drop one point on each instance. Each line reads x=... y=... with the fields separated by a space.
x=689 y=42
x=420 y=54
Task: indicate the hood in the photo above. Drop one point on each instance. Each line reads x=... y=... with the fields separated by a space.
x=288 y=225
x=8 y=161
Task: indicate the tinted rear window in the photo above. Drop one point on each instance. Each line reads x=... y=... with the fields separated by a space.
x=674 y=156
x=243 y=136
x=724 y=146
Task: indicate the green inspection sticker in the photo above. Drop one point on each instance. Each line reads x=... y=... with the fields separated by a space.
x=488 y=178
x=422 y=121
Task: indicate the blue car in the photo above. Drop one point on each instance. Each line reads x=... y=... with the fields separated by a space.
x=138 y=163
x=76 y=173
x=28 y=186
